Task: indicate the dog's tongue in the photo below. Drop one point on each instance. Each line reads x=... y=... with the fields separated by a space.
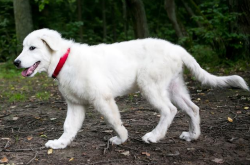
x=27 y=72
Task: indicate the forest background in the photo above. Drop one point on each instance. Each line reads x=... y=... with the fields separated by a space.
x=216 y=32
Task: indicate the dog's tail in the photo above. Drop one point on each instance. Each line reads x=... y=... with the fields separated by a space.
x=208 y=79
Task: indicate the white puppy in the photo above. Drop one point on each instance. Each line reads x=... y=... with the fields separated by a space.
x=97 y=74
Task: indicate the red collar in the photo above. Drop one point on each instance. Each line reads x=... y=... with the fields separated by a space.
x=60 y=64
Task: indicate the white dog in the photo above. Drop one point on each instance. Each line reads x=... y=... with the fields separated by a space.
x=97 y=74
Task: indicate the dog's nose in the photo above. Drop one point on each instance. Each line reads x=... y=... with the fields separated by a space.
x=17 y=63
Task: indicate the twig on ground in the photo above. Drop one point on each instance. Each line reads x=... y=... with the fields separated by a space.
x=104 y=151
x=2 y=116
x=108 y=161
x=23 y=150
x=32 y=158
x=7 y=144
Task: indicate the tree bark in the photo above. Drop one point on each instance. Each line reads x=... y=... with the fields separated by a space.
x=23 y=19
x=125 y=19
x=190 y=11
x=79 y=17
x=137 y=12
x=170 y=8
x=104 y=20
x=242 y=25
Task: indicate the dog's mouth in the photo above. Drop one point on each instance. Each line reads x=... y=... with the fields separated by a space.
x=29 y=71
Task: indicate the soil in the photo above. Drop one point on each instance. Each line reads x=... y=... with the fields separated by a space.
x=25 y=126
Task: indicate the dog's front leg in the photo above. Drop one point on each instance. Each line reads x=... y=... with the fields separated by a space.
x=72 y=124
x=108 y=108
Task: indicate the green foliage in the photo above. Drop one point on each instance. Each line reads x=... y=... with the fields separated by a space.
x=212 y=43
x=7 y=31
x=216 y=32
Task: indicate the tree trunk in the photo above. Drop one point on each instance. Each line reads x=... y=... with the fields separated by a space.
x=125 y=19
x=114 y=26
x=137 y=12
x=23 y=20
x=104 y=21
x=170 y=8
x=241 y=26
x=79 y=17
x=190 y=11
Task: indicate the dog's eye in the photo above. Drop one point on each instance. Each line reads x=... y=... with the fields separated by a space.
x=32 y=48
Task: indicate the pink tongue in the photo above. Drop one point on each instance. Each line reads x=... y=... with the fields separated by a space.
x=29 y=71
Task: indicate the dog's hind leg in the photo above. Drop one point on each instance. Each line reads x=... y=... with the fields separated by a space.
x=158 y=98
x=108 y=108
x=181 y=99
x=72 y=124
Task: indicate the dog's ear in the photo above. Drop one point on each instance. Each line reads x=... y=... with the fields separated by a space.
x=51 y=41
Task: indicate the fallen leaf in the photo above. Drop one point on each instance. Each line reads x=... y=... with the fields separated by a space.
x=198 y=99
x=217 y=160
x=5 y=138
x=15 y=118
x=29 y=138
x=108 y=131
x=246 y=108
x=126 y=153
x=230 y=119
x=50 y=151
x=53 y=118
x=44 y=136
x=145 y=153
x=71 y=159
x=4 y=160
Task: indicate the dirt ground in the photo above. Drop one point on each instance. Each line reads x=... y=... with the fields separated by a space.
x=25 y=126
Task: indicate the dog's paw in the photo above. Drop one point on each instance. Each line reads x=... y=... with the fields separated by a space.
x=150 y=138
x=188 y=136
x=56 y=144
x=116 y=140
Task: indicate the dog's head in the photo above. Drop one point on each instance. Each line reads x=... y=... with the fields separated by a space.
x=38 y=48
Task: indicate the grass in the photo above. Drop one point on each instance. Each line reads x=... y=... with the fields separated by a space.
x=15 y=88
x=43 y=96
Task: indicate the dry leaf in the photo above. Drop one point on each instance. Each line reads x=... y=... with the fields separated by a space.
x=145 y=153
x=108 y=131
x=199 y=99
x=4 y=160
x=217 y=160
x=126 y=153
x=50 y=151
x=15 y=118
x=246 y=108
x=230 y=119
x=71 y=159
x=29 y=138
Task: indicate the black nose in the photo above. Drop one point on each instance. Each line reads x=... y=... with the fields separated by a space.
x=17 y=63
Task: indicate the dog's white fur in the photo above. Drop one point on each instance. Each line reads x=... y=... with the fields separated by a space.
x=97 y=74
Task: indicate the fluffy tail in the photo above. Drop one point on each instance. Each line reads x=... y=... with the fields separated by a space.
x=208 y=79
